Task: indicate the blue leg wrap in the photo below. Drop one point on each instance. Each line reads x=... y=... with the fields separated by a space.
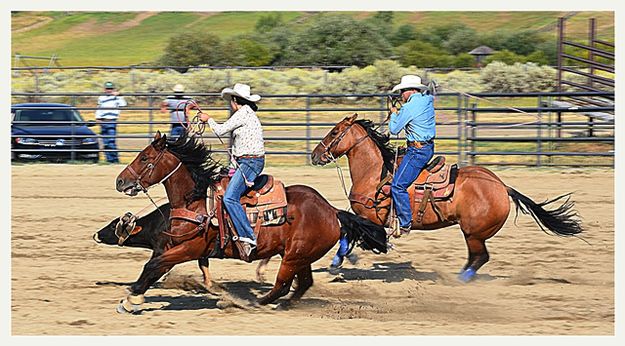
x=467 y=275
x=342 y=251
x=337 y=261
x=343 y=246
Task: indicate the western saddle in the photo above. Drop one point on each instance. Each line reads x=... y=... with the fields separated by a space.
x=264 y=203
x=435 y=183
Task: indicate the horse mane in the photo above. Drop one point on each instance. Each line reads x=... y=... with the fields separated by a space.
x=196 y=157
x=382 y=141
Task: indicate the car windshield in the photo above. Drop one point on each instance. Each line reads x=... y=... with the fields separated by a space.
x=46 y=115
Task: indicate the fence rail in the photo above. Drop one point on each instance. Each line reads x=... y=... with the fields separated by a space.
x=475 y=127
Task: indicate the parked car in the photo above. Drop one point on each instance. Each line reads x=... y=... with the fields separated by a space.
x=44 y=131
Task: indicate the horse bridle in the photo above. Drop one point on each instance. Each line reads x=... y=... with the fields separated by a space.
x=327 y=148
x=149 y=169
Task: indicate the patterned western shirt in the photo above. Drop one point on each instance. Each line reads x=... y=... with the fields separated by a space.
x=246 y=130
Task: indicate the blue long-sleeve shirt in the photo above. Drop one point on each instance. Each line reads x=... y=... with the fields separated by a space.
x=416 y=117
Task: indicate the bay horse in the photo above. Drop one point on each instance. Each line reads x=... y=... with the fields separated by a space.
x=186 y=170
x=479 y=205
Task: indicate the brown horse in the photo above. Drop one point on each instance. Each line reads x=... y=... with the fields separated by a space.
x=186 y=170
x=479 y=203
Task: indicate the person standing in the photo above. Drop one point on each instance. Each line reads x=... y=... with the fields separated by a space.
x=107 y=115
x=248 y=152
x=175 y=105
x=417 y=118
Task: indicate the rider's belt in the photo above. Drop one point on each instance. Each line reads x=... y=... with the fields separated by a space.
x=250 y=157
x=418 y=144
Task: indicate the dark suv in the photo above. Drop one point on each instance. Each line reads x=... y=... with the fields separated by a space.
x=51 y=131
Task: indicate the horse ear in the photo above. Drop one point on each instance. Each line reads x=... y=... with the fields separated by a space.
x=159 y=141
x=352 y=118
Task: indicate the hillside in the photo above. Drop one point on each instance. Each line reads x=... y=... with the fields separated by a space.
x=123 y=38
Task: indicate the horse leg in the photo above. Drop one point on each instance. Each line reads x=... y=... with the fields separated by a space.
x=156 y=267
x=261 y=269
x=281 y=287
x=206 y=274
x=478 y=256
x=304 y=282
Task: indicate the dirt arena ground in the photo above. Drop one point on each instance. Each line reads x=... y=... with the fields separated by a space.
x=63 y=283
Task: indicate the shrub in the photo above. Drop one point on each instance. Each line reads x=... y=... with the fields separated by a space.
x=500 y=77
x=506 y=57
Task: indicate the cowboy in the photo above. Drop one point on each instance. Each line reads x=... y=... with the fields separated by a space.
x=107 y=114
x=416 y=118
x=175 y=106
x=248 y=155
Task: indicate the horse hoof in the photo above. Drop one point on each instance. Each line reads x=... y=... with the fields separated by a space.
x=334 y=270
x=352 y=258
x=123 y=310
x=467 y=275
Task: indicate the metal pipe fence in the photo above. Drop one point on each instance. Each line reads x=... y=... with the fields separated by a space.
x=468 y=130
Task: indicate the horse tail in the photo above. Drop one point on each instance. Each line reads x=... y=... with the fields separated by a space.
x=362 y=232
x=562 y=221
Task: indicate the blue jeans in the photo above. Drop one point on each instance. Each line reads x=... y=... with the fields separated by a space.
x=251 y=168
x=176 y=131
x=407 y=172
x=109 y=128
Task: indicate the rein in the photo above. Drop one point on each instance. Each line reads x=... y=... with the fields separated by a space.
x=333 y=159
x=150 y=166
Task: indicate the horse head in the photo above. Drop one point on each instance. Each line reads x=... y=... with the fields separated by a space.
x=336 y=143
x=153 y=165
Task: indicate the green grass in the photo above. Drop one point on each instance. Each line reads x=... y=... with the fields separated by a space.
x=111 y=38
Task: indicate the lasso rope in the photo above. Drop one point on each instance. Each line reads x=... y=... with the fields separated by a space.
x=202 y=126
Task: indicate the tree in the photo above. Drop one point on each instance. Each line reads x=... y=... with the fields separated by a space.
x=193 y=48
x=461 y=41
x=523 y=42
x=383 y=22
x=247 y=51
x=403 y=34
x=423 y=54
x=439 y=34
x=337 y=39
x=268 y=22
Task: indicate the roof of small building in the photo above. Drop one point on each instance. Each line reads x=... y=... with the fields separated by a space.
x=482 y=50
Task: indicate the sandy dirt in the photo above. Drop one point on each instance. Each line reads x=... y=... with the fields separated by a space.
x=63 y=283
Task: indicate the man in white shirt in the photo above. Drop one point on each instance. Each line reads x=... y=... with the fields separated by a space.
x=107 y=114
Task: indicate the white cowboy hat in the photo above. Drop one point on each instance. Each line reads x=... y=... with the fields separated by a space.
x=241 y=90
x=409 y=81
x=178 y=88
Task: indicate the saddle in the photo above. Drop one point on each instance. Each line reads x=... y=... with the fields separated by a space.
x=435 y=183
x=264 y=203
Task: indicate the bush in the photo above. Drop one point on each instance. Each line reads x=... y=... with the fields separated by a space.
x=500 y=77
x=506 y=57
x=464 y=60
